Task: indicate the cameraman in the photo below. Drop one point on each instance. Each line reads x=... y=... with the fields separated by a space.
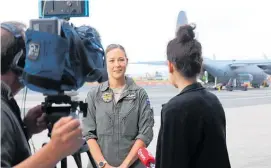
x=15 y=150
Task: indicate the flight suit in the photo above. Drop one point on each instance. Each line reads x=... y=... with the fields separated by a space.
x=117 y=125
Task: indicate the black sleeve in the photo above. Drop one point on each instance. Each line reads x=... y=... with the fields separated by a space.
x=170 y=140
x=178 y=137
x=7 y=140
x=215 y=153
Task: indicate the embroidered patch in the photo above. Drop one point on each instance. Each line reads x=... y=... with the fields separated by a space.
x=131 y=96
x=107 y=97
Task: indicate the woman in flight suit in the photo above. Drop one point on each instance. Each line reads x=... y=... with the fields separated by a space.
x=120 y=119
x=193 y=124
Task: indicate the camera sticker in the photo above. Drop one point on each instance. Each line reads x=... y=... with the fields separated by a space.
x=34 y=51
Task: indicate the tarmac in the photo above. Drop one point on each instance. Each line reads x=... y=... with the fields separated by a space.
x=248 y=115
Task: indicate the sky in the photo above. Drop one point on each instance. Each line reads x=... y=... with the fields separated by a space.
x=232 y=29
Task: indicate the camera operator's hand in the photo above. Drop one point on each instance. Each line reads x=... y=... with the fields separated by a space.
x=35 y=120
x=66 y=138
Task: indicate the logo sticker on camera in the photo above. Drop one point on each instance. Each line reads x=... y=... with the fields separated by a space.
x=34 y=51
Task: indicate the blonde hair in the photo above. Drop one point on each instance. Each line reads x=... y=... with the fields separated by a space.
x=114 y=46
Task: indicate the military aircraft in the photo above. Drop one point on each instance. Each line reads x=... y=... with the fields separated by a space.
x=253 y=71
x=221 y=71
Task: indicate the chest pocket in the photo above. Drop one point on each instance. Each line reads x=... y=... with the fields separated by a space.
x=129 y=115
x=104 y=118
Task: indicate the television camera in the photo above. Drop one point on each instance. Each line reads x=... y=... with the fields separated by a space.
x=61 y=58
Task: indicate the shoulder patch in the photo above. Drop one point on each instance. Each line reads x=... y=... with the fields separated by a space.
x=148 y=101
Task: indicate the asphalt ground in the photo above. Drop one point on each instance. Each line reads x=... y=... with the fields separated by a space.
x=248 y=116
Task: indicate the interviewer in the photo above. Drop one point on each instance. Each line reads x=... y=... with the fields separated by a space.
x=193 y=124
x=66 y=135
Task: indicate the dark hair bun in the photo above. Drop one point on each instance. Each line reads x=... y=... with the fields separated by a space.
x=186 y=33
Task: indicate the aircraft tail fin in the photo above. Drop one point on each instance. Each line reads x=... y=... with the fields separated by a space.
x=181 y=20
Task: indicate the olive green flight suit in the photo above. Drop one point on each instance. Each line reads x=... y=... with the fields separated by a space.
x=117 y=125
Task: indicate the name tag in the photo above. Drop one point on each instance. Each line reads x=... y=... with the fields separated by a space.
x=130 y=96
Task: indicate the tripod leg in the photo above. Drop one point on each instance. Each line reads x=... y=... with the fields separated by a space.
x=77 y=159
x=91 y=160
x=64 y=163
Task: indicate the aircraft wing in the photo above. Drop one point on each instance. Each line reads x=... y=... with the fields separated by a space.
x=151 y=63
x=266 y=67
x=242 y=64
x=237 y=65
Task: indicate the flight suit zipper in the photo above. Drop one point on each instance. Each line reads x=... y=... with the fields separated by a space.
x=119 y=132
x=114 y=114
x=119 y=127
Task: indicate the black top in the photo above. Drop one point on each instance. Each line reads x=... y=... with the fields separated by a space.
x=192 y=132
x=14 y=143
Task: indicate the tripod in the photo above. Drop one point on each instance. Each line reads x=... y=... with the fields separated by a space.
x=53 y=114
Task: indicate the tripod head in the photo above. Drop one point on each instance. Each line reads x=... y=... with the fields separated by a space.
x=53 y=114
